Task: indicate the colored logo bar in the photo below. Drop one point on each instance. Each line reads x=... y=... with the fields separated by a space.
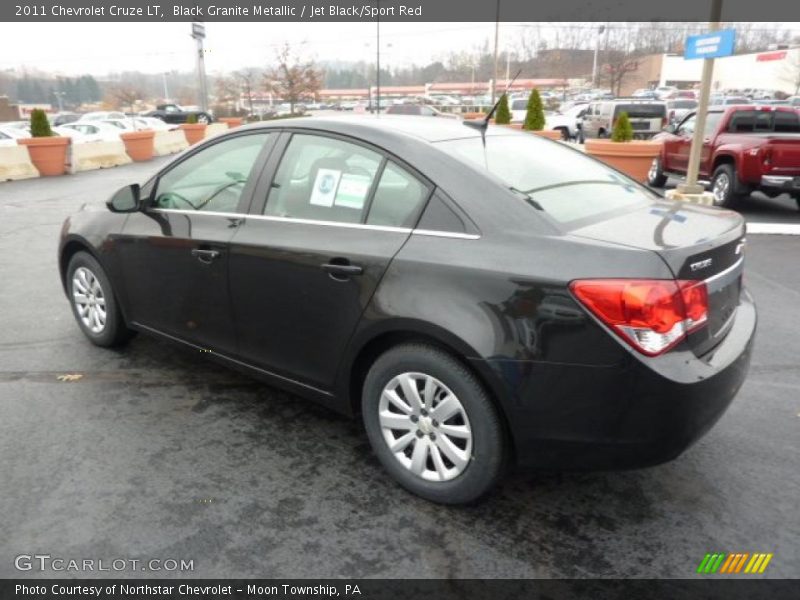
x=733 y=563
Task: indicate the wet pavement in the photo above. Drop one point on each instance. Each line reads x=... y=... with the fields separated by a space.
x=154 y=452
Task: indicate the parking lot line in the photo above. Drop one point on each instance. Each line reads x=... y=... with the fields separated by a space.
x=774 y=228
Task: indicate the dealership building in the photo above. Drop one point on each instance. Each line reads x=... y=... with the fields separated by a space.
x=773 y=70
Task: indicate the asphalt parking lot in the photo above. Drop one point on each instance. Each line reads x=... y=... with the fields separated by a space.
x=157 y=453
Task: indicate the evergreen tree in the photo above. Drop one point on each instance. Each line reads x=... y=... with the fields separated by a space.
x=534 y=116
x=503 y=114
x=623 y=130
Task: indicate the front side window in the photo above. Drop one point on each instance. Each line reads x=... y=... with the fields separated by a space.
x=213 y=179
x=323 y=179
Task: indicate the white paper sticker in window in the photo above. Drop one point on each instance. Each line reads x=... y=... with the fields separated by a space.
x=353 y=190
x=325 y=185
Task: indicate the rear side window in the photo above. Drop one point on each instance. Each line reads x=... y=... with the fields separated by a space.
x=764 y=121
x=641 y=111
x=398 y=198
x=323 y=179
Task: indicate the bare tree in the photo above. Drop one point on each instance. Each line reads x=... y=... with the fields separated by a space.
x=125 y=96
x=292 y=79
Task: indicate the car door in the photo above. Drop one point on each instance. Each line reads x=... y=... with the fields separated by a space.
x=174 y=252
x=677 y=147
x=326 y=221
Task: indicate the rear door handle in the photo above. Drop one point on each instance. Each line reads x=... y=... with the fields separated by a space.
x=341 y=270
x=205 y=256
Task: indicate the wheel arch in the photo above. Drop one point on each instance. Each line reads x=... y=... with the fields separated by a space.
x=369 y=347
x=71 y=247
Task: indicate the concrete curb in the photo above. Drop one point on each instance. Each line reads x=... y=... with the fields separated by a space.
x=98 y=155
x=215 y=129
x=169 y=142
x=15 y=163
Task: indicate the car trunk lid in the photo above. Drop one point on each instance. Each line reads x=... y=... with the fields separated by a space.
x=697 y=243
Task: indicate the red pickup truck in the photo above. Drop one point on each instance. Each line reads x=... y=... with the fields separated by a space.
x=745 y=148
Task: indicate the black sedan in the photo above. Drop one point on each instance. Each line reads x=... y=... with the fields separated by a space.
x=174 y=114
x=480 y=298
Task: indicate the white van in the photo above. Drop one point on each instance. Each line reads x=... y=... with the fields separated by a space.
x=648 y=117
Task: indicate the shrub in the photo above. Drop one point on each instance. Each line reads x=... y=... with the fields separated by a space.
x=534 y=116
x=623 y=130
x=191 y=119
x=503 y=115
x=40 y=126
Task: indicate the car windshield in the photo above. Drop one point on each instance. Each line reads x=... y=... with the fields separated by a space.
x=564 y=182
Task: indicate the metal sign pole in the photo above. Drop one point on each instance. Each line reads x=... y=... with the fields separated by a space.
x=199 y=33
x=698 y=136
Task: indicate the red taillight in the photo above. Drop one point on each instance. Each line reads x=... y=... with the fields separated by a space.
x=766 y=157
x=652 y=315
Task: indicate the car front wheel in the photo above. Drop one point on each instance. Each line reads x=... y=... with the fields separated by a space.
x=93 y=302
x=432 y=425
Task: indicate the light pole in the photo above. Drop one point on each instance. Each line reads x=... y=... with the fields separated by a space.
x=199 y=34
x=496 y=40
x=600 y=31
x=59 y=96
x=166 y=90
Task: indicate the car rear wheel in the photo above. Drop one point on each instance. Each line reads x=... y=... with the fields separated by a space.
x=723 y=186
x=93 y=302
x=655 y=176
x=432 y=425
x=564 y=133
x=203 y=118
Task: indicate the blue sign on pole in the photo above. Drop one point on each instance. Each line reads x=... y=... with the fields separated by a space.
x=711 y=45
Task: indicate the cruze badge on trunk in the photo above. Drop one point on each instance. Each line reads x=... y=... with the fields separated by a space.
x=701 y=264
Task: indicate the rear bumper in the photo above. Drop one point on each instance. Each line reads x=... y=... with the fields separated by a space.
x=786 y=183
x=643 y=412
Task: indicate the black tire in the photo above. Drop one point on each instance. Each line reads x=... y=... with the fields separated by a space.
x=489 y=448
x=655 y=176
x=564 y=133
x=726 y=195
x=114 y=331
x=204 y=118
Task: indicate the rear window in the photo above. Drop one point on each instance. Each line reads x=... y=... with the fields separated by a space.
x=568 y=185
x=641 y=111
x=683 y=104
x=764 y=121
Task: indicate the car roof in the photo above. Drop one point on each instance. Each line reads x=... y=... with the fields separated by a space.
x=429 y=129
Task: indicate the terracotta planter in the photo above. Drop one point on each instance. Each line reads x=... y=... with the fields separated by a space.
x=231 y=121
x=550 y=134
x=139 y=144
x=632 y=158
x=48 y=154
x=194 y=132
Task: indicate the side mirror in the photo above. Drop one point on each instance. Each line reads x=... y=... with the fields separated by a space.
x=125 y=200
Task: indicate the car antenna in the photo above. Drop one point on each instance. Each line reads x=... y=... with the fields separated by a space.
x=483 y=124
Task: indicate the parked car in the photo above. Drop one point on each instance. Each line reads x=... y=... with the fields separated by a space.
x=729 y=100
x=794 y=101
x=665 y=90
x=10 y=135
x=138 y=123
x=172 y=113
x=567 y=121
x=678 y=109
x=745 y=148
x=418 y=110
x=678 y=94
x=647 y=117
x=102 y=114
x=93 y=131
x=63 y=118
x=385 y=271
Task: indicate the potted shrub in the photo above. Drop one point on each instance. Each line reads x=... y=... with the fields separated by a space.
x=193 y=130
x=534 y=117
x=48 y=151
x=632 y=157
x=503 y=114
x=231 y=122
x=139 y=144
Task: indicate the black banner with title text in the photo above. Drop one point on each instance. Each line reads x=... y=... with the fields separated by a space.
x=395 y=10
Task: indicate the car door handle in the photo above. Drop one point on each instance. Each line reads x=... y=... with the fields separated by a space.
x=205 y=256
x=341 y=270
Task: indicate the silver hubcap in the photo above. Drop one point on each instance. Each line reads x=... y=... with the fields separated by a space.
x=90 y=302
x=425 y=426
x=653 y=170
x=721 y=186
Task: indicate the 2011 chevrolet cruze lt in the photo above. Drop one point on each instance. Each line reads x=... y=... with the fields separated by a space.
x=479 y=297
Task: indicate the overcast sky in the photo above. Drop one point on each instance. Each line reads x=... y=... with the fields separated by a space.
x=100 y=48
